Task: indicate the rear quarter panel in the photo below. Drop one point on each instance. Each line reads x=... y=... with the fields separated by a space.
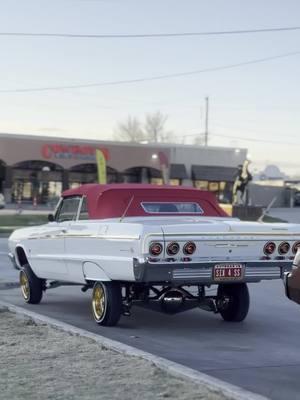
x=110 y=245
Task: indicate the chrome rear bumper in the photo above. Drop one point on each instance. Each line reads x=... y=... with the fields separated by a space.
x=179 y=273
x=251 y=273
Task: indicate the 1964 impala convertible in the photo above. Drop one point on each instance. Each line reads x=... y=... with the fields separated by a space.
x=158 y=247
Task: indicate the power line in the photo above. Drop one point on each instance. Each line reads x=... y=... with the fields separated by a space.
x=153 y=78
x=247 y=139
x=249 y=130
x=149 y=35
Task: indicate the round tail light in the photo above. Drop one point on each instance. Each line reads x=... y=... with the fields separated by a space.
x=173 y=248
x=269 y=248
x=284 y=248
x=155 y=249
x=296 y=247
x=189 y=248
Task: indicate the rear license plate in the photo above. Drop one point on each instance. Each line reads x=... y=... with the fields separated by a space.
x=226 y=272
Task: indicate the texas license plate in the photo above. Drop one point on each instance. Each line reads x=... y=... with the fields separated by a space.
x=225 y=272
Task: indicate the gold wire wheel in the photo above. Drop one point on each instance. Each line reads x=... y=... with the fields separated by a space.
x=98 y=301
x=24 y=282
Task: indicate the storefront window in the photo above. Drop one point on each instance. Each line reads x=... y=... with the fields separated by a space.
x=225 y=194
x=75 y=185
x=156 y=181
x=203 y=185
x=213 y=186
x=222 y=190
x=175 y=182
x=36 y=181
x=18 y=192
x=222 y=185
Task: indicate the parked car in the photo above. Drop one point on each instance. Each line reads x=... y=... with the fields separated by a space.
x=297 y=199
x=292 y=279
x=2 y=201
x=159 y=247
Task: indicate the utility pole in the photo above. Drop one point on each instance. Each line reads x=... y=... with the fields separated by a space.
x=206 y=121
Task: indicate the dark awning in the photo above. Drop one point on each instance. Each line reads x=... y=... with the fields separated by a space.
x=154 y=173
x=213 y=173
x=178 y=171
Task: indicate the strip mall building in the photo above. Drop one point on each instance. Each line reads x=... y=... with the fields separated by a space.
x=43 y=167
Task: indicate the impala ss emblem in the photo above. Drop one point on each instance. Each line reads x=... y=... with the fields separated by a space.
x=130 y=250
x=229 y=245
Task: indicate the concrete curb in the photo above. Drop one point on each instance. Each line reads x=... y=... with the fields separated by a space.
x=175 y=369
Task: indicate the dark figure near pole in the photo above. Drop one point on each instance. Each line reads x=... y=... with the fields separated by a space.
x=240 y=184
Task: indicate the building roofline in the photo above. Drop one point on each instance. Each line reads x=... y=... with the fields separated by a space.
x=111 y=142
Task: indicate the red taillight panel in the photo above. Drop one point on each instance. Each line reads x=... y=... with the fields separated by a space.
x=189 y=248
x=269 y=248
x=284 y=248
x=155 y=249
x=296 y=247
x=173 y=248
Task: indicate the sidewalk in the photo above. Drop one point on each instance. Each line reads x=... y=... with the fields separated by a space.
x=41 y=362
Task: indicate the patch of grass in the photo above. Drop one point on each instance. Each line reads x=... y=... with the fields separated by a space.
x=22 y=220
x=8 y=223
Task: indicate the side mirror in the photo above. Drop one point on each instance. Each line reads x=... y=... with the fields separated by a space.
x=51 y=218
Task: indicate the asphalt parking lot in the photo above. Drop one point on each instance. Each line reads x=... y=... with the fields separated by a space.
x=260 y=354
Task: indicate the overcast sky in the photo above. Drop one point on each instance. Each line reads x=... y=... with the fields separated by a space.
x=259 y=102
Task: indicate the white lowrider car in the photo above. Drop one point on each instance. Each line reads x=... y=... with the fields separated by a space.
x=158 y=247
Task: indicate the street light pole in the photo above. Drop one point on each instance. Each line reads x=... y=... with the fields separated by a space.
x=206 y=121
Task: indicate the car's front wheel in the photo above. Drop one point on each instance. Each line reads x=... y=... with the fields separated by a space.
x=233 y=301
x=31 y=285
x=107 y=303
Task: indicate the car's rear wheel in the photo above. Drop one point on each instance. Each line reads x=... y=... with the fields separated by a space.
x=233 y=301
x=107 y=303
x=31 y=285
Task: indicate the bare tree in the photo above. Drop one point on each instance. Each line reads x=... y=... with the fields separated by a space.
x=130 y=130
x=153 y=131
x=199 y=140
x=155 y=127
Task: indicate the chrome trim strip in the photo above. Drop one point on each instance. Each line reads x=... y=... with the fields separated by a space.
x=235 y=234
x=262 y=272
x=191 y=273
x=81 y=258
x=269 y=274
x=79 y=208
x=81 y=236
x=241 y=260
x=258 y=270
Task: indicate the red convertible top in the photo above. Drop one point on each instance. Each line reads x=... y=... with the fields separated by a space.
x=113 y=200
